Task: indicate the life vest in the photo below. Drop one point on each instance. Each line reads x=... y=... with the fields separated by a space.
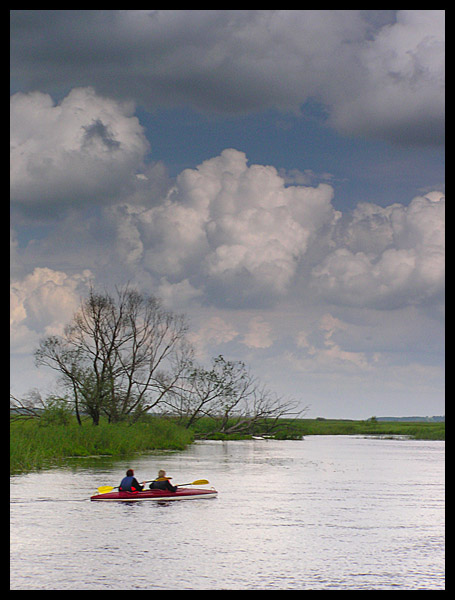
x=126 y=485
x=162 y=483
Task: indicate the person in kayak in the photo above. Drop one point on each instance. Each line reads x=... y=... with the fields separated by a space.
x=162 y=482
x=130 y=483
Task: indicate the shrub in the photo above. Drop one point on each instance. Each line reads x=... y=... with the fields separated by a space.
x=56 y=412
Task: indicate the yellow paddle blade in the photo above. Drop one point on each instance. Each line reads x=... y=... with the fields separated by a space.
x=104 y=489
x=197 y=482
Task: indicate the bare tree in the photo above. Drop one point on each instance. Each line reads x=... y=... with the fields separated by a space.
x=29 y=407
x=51 y=409
x=206 y=392
x=230 y=397
x=118 y=356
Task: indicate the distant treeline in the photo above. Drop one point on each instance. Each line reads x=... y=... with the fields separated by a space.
x=437 y=419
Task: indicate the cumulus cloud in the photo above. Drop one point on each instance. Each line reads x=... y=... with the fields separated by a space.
x=42 y=303
x=225 y=233
x=378 y=73
x=232 y=234
x=234 y=230
x=84 y=149
x=402 y=93
x=387 y=257
x=177 y=296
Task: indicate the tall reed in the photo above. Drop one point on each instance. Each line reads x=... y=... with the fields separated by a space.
x=33 y=446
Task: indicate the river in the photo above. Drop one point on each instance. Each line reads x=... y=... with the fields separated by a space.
x=326 y=512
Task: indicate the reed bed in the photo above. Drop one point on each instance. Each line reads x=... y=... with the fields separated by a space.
x=419 y=430
x=33 y=447
x=298 y=428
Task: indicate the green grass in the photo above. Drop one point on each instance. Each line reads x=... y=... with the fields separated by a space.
x=34 y=447
x=297 y=428
x=414 y=429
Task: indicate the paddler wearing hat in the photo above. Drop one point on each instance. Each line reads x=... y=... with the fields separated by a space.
x=162 y=482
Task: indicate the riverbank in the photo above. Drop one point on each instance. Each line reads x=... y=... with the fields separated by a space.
x=419 y=430
x=35 y=446
x=287 y=429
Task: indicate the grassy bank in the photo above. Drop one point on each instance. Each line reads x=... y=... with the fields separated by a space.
x=415 y=429
x=33 y=446
x=297 y=428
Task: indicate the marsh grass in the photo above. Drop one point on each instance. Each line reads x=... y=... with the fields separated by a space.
x=414 y=429
x=34 y=446
x=298 y=428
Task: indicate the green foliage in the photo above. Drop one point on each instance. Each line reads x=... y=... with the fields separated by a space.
x=414 y=429
x=33 y=446
x=297 y=428
x=56 y=412
x=36 y=445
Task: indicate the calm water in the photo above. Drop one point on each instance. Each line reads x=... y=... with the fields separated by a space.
x=328 y=512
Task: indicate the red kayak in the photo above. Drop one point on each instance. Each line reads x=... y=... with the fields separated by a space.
x=181 y=494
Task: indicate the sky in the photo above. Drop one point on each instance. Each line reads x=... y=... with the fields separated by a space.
x=276 y=176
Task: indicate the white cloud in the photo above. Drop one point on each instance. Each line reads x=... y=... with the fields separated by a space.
x=234 y=230
x=226 y=233
x=235 y=235
x=42 y=303
x=259 y=334
x=387 y=257
x=86 y=148
x=326 y=353
x=212 y=333
x=177 y=296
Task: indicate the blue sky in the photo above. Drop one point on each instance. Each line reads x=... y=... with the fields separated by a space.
x=302 y=142
x=277 y=176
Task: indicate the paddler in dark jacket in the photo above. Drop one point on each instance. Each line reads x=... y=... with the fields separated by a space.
x=162 y=482
x=130 y=483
